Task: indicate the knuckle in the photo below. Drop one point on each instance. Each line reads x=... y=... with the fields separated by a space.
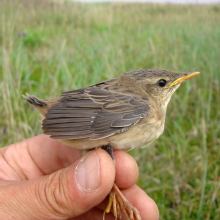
x=55 y=196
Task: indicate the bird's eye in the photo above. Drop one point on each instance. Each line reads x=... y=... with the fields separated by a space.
x=162 y=82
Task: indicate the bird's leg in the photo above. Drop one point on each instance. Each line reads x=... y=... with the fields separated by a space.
x=117 y=201
x=109 y=150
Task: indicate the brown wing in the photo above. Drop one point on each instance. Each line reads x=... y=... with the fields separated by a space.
x=93 y=112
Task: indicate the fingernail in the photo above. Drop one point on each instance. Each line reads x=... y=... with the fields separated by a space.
x=88 y=172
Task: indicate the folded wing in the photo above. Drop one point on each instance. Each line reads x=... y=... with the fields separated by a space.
x=93 y=113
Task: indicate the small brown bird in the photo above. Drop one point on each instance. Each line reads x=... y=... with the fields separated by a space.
x=122 y=113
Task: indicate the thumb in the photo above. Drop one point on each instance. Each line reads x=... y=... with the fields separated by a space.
x=64 y=194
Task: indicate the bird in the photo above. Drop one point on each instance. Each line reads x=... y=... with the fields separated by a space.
x=121 y=113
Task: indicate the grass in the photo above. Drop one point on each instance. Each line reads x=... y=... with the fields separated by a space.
x=48 y=47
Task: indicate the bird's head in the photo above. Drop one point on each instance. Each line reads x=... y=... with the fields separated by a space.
x=158 y=84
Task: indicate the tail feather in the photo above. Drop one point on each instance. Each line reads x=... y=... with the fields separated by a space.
x=34 y=100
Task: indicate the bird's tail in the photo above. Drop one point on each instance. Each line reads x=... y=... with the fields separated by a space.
x=34 y=100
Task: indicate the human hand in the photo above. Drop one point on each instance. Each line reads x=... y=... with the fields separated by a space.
x=40 y=178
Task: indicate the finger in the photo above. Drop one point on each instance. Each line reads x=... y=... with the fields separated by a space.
x=145 y=205
x=35 y=157
x=139 y=199
x=51 y=155
x=66 y=193
x=127 y=171
x=94 y=214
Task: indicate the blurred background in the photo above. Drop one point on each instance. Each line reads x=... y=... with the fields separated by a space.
x=157 y=1
x=49 y=47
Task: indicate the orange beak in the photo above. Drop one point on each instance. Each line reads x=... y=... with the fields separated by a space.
x=184 y=78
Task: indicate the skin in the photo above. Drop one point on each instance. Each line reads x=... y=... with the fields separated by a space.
x=37 y=182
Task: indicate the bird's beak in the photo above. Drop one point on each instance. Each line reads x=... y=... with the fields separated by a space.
x=184 y=78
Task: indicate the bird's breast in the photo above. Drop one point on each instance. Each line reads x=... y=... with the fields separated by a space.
x=140 y=135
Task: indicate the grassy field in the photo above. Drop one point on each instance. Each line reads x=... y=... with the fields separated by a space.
x=47 y=48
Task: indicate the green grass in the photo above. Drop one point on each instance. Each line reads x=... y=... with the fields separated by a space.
x=73 y=45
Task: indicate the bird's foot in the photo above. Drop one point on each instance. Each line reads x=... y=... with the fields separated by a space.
x=118 y=202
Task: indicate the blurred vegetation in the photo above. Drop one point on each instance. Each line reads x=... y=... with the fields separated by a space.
x=48 y=47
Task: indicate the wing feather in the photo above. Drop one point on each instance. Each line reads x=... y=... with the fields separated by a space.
x=66 y=125
x=94 y=113
x=69 y=137
x=71 y=115
x=120 y=122
x=66 y=120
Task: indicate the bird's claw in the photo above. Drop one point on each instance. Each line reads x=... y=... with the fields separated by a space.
x=117 y=201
